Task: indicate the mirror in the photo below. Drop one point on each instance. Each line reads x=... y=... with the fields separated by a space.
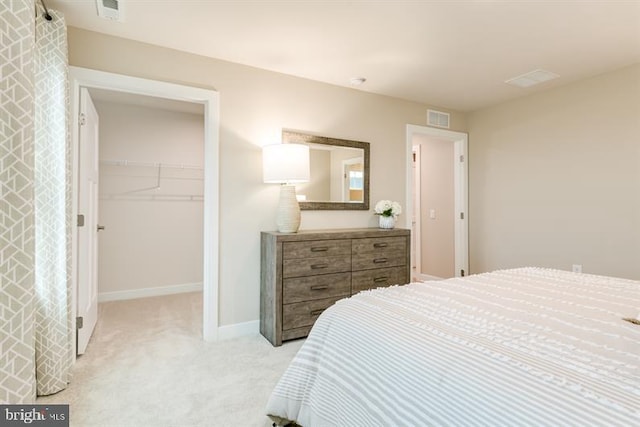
x=339 y=173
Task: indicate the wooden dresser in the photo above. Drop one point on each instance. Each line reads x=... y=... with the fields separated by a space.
x=302 y=274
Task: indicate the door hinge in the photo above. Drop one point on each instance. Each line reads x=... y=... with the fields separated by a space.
x=461 y=215
x=80 y=220
x=462 y=273
x=79 y=322
x=82 y=119
x=461 y=158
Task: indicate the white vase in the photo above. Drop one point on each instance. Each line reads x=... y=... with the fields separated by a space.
x=288 y=213
x=387 y=222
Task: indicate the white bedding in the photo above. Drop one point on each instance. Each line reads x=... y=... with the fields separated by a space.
x=526 y=346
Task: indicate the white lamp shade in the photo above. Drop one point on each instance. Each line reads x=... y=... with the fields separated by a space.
x=285 y=163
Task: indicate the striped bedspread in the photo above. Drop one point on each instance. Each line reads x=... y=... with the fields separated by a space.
x=516 y=347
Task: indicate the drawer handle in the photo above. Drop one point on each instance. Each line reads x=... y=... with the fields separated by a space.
x=320 y=249
x=380 y=245
x=316 y=312
x=319 y=266
x=380 y=260
x=319 y=287
x=380 y=279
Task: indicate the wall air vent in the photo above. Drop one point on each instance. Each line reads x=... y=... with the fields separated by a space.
x=110 y=9
x=438 y=118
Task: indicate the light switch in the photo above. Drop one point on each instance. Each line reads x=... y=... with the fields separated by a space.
x=432 y=213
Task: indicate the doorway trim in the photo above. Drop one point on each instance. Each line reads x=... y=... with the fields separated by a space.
x=461 y=233
x=346 y=181
x=84 y=77
x=416 y=225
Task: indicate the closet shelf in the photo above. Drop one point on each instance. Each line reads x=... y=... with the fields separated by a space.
x=182 y=178
x=125 y=163
x=133 y=180
x=155 y=197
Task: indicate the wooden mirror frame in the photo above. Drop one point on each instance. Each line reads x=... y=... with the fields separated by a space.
x=298 y=137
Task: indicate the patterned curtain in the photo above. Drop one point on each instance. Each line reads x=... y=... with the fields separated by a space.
x=17 y=355
x=36 y=336
x=52 y=191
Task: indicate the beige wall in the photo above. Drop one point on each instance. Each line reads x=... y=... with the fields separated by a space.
x=149 y=244
x=254 y=107
x=555 y=179
x=437 y=192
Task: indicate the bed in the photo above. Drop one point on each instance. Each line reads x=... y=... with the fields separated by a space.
x=525 y=346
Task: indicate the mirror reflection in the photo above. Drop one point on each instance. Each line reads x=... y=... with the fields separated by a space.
x=339 y=170
x=337 y=174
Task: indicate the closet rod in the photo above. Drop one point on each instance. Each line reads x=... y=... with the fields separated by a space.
x=47 y=16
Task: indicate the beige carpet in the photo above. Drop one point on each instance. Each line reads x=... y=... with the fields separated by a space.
x=147 y=365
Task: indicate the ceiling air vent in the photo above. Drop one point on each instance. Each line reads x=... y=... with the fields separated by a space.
x=110 y=9
x=438 y=118
x=532 y=78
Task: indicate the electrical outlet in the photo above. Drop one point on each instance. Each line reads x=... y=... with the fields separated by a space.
x=576 y=268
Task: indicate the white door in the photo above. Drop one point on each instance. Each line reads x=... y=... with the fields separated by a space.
x=88 y=156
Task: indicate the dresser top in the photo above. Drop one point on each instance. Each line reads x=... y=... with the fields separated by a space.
x=339 y=233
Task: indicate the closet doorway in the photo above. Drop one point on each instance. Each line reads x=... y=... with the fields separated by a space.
x=437 y=202
x=165 y=178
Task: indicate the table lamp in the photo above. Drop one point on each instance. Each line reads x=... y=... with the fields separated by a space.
x=286 y=164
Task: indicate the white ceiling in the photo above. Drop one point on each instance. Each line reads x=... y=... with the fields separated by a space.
x=452 y=54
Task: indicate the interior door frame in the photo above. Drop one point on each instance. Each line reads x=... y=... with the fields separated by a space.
x=345 y=181
x=84 y=77
x=416 y=224
x=461 y=168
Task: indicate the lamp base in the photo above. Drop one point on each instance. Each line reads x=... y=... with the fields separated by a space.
x=288 y=215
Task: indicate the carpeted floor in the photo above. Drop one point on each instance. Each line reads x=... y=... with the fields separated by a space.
x=147 y=365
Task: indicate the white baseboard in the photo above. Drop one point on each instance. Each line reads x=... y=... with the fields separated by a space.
x=238 y=330
x=149 y=292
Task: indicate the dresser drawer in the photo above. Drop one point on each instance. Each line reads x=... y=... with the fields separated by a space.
x=316 y=287
x=313 y=266
x=380 y=245
x=379 y=277
x=305 y=313
x=378 y=260
x=316 y=248
x=291 y=334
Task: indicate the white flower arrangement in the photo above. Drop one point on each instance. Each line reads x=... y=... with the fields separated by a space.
x=388 y=208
